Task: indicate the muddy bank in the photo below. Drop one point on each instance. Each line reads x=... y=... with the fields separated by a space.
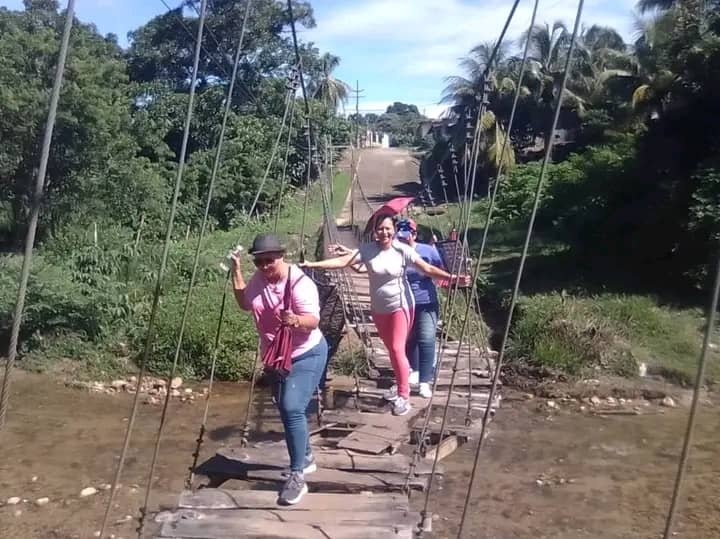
x=557 y=473
x=58 y=441
x=545 y=472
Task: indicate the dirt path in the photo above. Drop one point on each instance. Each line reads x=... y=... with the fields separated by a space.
x=384 y=173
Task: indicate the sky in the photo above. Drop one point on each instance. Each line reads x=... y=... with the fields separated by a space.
x=398 y=50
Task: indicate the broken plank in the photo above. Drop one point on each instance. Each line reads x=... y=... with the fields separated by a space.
x=235 y=528
x=376 y=439
x=215 y=498
x=273 y=457
x=445 y=448
x=340 y=481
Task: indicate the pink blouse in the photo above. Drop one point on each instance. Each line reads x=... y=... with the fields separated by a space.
x=265 y=301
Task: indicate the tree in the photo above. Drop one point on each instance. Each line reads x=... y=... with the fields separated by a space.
x=91 y=143
x=327 y=88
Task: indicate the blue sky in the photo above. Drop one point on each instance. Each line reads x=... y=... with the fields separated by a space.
x=399 y=50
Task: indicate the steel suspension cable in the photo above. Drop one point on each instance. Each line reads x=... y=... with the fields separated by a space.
x=37 y=200
x=283 y=178
x=161 y=271
x=196 y=260
x=306 y=102
x=692 y=418
x=203 y=425
x=506 y=139
x=484 y=79
x=521 y=267
x=211 y=34
x=276 y=145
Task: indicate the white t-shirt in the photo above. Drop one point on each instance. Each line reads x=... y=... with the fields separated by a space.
x=389 y=288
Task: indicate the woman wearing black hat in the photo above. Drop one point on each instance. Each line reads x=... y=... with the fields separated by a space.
x=280 y=295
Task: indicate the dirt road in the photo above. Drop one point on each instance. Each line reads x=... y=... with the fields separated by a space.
x=384 y=174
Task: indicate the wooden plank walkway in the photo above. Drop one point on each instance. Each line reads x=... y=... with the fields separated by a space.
x=363 y=454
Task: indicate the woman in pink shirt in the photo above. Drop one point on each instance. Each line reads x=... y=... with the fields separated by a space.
x=263 y=296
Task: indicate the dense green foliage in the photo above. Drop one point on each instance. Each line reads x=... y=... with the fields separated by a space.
x=119 y=129
x=645 y=193
x=629 y=211
x=113 y=165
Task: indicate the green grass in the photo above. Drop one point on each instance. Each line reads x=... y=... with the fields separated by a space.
x=612 y=332
x=341 y=187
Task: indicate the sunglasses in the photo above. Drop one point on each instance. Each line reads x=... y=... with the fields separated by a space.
x=265 y=260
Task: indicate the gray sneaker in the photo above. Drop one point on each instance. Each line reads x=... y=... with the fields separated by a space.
x=310 y=465
x=294 y=489
x=391 y=394
x=401 y=406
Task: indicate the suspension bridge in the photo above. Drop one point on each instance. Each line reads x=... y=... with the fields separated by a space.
x=377 y=472
x=369 y=462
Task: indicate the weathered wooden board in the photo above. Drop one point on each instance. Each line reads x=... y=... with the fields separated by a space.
x=215 y=498
x=228 y=526
x=376 y=439
x=348 y=516
x=340 y=481
x=443 y=449
x=276 y=457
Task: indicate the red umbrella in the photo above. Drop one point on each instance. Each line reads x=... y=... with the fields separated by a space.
x=390 y=209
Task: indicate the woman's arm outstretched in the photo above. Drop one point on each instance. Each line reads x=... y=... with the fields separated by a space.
x=338 y=262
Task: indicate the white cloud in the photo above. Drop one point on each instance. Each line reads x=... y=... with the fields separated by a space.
x=427 y=37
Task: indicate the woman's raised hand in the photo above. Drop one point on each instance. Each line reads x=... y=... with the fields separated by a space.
x=339 y=250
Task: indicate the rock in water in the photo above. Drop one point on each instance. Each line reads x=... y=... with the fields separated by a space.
x=176 y=382
x=13 y=501
x=118 y=385
x=668 y=402
x=42 y=501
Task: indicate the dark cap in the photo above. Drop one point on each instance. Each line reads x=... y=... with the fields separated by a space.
x=266 y=243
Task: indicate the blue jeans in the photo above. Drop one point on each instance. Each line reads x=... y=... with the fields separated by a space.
x=293 y=395
x=420 y=346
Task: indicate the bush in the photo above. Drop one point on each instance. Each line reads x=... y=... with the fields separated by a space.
x=609 y=332
x=236 y=353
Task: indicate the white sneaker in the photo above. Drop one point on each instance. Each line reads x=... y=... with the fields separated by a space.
x=414 y=378
x=425 y=392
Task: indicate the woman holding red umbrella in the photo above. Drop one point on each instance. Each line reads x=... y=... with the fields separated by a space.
x=391 y=299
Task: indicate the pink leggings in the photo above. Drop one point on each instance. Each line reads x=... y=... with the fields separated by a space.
x=393 y=329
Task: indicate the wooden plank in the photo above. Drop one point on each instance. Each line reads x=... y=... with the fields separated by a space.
x=349 y=516
x=376 y=439
x=275 y=456
x=445 y=448
x=216 y=498
x=235 y=528
x=340 y=481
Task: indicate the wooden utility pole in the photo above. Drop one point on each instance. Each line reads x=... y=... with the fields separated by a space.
x=357 y=91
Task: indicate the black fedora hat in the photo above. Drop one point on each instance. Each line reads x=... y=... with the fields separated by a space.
x=266 y=243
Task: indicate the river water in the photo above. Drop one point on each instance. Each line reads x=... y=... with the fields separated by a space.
x=544 y=474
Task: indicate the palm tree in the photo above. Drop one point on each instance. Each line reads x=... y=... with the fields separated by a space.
x=601 y=55
x=650 y=5
x=328 y=89
x=463 y=91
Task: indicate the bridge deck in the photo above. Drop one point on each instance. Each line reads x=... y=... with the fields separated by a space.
x=363 y=453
